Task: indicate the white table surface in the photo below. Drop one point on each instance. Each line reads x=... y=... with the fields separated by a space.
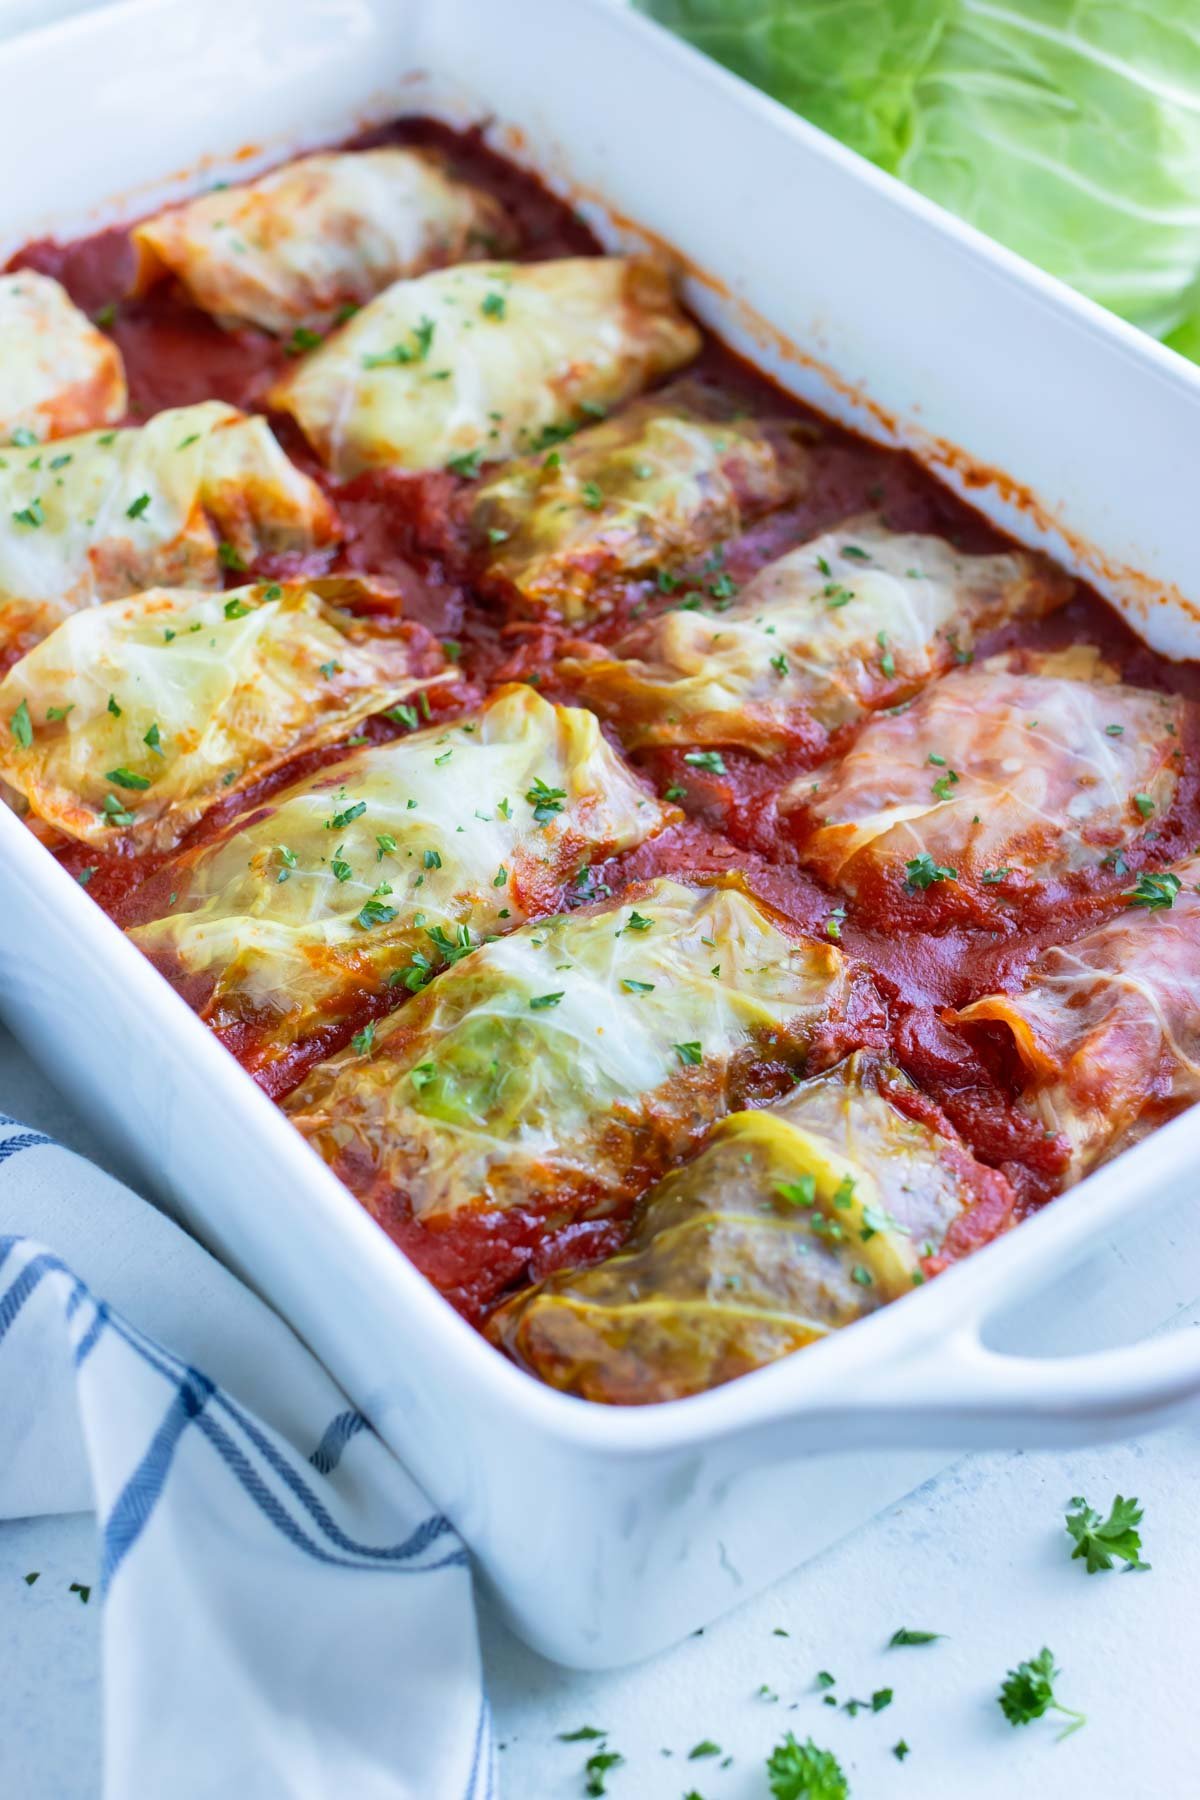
x=979 y=1553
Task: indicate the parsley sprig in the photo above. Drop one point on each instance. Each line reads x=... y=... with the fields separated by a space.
x=1099 y=1540
x=805 y=1772
x=1028 y=1692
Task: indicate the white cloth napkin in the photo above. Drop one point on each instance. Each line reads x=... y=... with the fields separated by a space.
x=284 y=1613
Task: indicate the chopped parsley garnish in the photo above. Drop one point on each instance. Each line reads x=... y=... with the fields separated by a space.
x=23 y=438
x=237 y=609
x=825 y=1679
x=288 y=859
x=900 y=1750
x=327 y=669
x=230 y=557
x=833 y=924
x=880 y=1698
x=451 y=948
x=591 y=496
x=399 y=354
x=780 y=664
x=112 y=707
x=362 y=1040
x=137 y=507
x=466 y=465
x=31 y=1577
x=116 y=812
x=153 y=738
x=500 y=877
x=802 y=1192
x=1153 y=889
x=990 y=877
x=922 y=872
x=902 y=1639
x=597 y=1768
x=347 y=816
x=705 y=1747
x=1144 y=804
x=675 y=792
x=710 y=760
x=302 y=339
x=21 y=725
x=494 y=306
x=887 y=662
x=1028 y=1692
x=85 y=875
x=1099 y=1540
x=545 y=801
x=31 y=515
x=584 y=1735
x=804 y=1772
x=126 y=778
x=1114 y=731
x=431 y=859
x=339 y=867
x=637 y=987
x=55 y=713
x=540 y=1002
x=402 y=715
x=83 y=1589
x=943 y=785
x=692 y=1053
x=374 y=912
x=638 y=921
x=423 y=1074
x=106 y=317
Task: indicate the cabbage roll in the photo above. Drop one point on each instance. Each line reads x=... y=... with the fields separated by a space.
x=485 y=361
x=58 y=374
x=300 y=246
x=133 y=717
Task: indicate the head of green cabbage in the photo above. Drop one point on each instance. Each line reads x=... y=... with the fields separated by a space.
x=1067 y=129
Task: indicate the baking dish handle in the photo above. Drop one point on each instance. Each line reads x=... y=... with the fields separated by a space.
x=955 y=1390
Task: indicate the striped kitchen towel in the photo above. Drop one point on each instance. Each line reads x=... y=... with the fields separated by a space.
x=284 y=1613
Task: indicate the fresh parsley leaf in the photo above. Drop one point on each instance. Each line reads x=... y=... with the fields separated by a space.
x=1153 y=889
x=230 y=557
x=689 y=1053
x=1099 y=1540
x=466 y=465
x=900 y=1750
x=374 y=912
x=1028 y=1692
x=362 y=1040
x=710 y=760
x=545 y=801
x=540 y=1002
x=922 y=872
x=802 y=1192
x=1144 y=804
x=21 y=725
x=901 y=1639
x=803 y=1772
x=137 y=507
x=597 y=1767
x=705 y=1747
x=583 y=1735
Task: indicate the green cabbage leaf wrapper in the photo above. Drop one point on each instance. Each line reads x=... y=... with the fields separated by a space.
x=1067 y=129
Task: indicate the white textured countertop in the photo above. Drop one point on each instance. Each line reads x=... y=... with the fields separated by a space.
x=979 y=1553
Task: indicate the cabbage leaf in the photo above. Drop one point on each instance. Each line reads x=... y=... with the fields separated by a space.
x=1067 y=129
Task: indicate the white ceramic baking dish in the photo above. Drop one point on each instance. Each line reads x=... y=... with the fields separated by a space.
x=608 y=1533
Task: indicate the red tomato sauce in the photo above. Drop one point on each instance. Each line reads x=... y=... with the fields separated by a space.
x=410 y=530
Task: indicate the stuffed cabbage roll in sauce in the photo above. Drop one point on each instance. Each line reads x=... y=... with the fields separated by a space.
x=323 y=234
x=134 y=717
x=484 y=361
x=1000 y=779
x=173 y=503
x=669 y=476
x=850 y=622
x=790 y=1223
x=58 y=373
x=349 y=890
x=1106 y=1029
x=549 y=1077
